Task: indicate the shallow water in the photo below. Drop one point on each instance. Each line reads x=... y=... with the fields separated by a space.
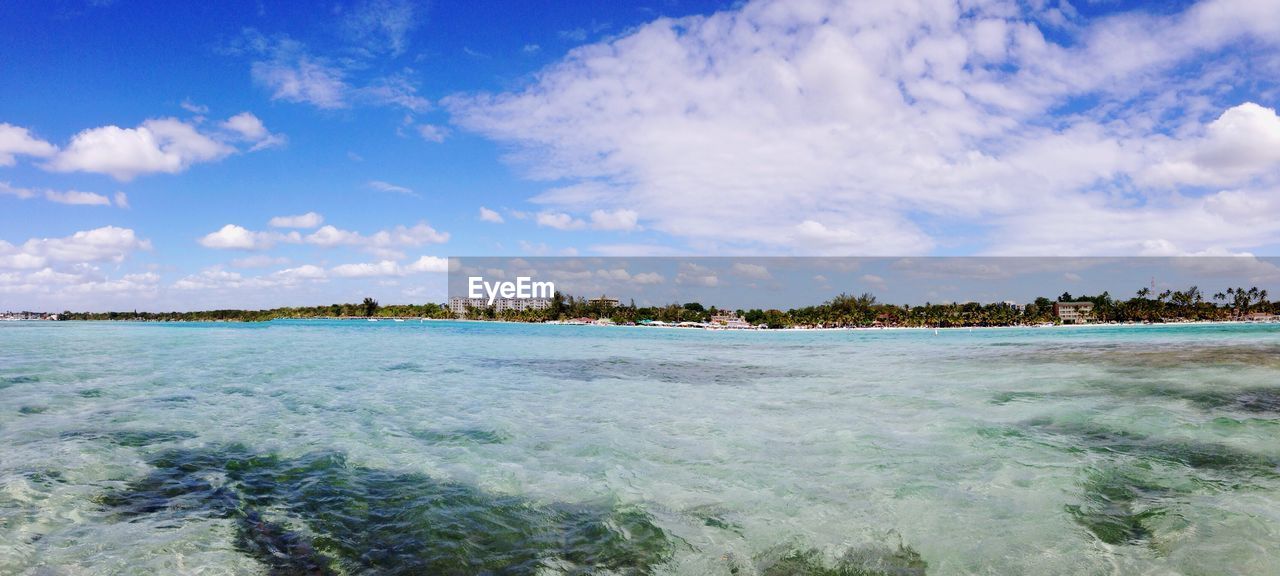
x=465 y=448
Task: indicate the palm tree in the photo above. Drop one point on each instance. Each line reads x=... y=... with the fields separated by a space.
x=370 y=306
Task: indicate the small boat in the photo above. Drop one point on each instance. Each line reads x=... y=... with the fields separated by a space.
x=399 y=319
x=373 y=319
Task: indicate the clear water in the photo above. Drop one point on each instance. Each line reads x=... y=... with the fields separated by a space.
x=459 y=448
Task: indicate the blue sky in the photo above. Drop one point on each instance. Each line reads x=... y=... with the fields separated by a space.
x=146 y=149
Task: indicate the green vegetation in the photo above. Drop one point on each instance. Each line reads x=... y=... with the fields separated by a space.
x=320 y=514
x=368 y=308
x=842 y=311
x=871 y=561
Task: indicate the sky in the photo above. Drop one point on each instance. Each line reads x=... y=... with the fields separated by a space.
x=248 y=154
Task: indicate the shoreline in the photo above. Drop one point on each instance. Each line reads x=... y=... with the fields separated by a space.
x=401 y=320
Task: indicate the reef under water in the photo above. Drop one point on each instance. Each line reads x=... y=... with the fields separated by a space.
x=320 y=514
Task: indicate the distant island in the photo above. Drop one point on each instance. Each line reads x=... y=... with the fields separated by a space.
x=843 y=311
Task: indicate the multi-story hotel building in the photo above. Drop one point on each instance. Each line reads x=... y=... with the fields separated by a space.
x=459 y=305
x=1073 y=312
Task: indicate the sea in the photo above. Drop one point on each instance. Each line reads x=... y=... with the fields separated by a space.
x=354 y=447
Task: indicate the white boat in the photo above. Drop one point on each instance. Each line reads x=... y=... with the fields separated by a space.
x=399 y=319
x=373 y=319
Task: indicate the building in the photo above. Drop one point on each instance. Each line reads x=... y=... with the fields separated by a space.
x=1073 y=312
x=459 y=305
x=604 y=300
x=730 y=320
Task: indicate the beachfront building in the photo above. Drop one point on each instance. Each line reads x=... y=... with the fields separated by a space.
x=1073 y=312
x=730 y=320
x=459 y=305
x=604 y=301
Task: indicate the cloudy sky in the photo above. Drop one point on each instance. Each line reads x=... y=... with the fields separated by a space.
x=250 y=153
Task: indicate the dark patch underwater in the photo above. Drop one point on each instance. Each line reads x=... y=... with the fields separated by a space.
x=319 y=514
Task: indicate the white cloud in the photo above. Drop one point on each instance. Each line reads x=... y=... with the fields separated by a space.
x=304 y=80
x=697 y=275
x=234 y=237
x=77 y=197
x=22 y=193
x=487 y=215
x=105 y=244
x=194 y=108
x=304 y=272
x=620 y=220
x=1242 y=143
x=308 y=220
x=163 y=145
x=249 y=128
x=753 y=271
x=645 y=278
x=382 y=25
x=428 y=264
x=72 y=197
x=330 y=235
x=811 y=126
x=18 y=141
x=259 y=261
x=382 y=186
x=381 y=242
x=291 y=73
x=432 y=133
x=367 y=269
x=387 y=268
x=559 y=221
x=217 y=279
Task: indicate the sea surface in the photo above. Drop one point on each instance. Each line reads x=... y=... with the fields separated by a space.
x=352 y=447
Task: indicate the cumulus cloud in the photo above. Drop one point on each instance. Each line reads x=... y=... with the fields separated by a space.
x=308 y=220
x=620 y=220
x=818 y=126
x=18 y=141
x=234 y=237
x=388 y=268
x=559 y=221
x=383 y=242
x=164 y=145
x=218 y=279
x=1242 y=143
x=105 y=244
x=487 y=215
x=250 y=129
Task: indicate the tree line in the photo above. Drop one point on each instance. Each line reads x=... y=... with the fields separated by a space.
x=842 y=311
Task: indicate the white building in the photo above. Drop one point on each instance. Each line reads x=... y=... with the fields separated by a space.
x=459 y=305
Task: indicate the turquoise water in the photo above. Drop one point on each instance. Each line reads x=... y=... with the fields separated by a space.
x=465 y=448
